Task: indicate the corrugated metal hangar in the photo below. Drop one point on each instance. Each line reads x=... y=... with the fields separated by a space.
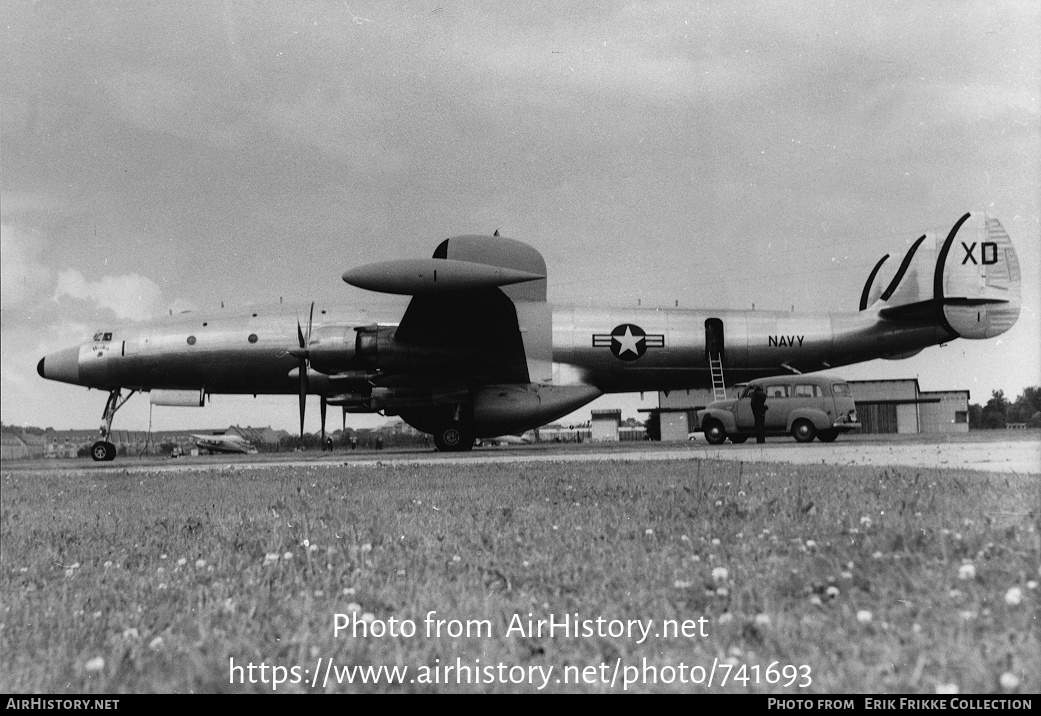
x=883 y=406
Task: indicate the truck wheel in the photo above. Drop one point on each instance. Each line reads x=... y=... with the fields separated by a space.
x=803 y=431
x=827 y=436
x=738 y=439
x=715 y=433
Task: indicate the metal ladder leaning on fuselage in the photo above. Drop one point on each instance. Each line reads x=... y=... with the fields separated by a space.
x=715 y=364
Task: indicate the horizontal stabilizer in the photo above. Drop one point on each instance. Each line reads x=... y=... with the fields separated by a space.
x=968 y=284
x=425 y=276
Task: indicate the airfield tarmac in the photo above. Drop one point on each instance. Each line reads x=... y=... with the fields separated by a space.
x=986 y=453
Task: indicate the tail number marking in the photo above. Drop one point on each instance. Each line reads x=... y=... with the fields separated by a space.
x=988 y=253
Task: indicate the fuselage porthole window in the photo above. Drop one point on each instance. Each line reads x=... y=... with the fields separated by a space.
x=252 y=338
x=191 y=340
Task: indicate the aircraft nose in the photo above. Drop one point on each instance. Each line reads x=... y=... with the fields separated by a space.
x=63 y=365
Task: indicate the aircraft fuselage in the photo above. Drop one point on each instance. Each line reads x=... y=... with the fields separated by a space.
x=664 y=349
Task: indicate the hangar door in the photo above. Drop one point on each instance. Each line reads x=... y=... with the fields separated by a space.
x=877 y=417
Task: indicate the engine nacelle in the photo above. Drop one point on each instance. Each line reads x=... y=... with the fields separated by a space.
x=332 y=349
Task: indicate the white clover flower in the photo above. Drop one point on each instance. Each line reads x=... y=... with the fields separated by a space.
x=866 y=521
x=762 y=619
x=719 y=574
x=70 y=571
x=368 y=617
x=846 y=575
x=832 y=592
x=1014 y=596
x=155 y=643
x=182 y=561
x=811 y=544
x=108 y=563
x=456 y=558
x=680 y=584
x=864 y=616
x=1031 y=584
x=684 y=538
x=287 y=555
x=270 y=557
x=1009 y=680
x=877 y=555
x=200 y=563
x=130 y=633
x=525 y=563
x=967 y=615
x=348 y=591
x=967 y=571
x=366 y=548
x=816 y=601
x=95 y=664
x=947 y=689
x=648 y=532
x=715 y=542
x=354 y=607
x=722 y=591
x=725 y=618
x=305 y=543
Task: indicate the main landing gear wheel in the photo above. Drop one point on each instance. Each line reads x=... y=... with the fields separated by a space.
x=715 y=433
x=803 y=431
x=103 y=451
x=454 y=438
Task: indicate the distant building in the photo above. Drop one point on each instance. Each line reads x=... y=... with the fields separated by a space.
x=20 y=446
x=899 y=406
x=605 y=425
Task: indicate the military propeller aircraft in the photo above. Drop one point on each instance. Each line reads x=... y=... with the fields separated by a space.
x=480 y=353
x=223 y=443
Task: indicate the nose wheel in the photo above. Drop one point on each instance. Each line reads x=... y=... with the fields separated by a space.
x=103 y=451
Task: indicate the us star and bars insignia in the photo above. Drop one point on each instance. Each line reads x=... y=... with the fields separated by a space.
x=628 y=341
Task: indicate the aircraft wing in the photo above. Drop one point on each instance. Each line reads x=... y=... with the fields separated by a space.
x=465 y=303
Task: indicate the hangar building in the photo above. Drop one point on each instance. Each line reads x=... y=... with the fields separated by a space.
x=883 y=406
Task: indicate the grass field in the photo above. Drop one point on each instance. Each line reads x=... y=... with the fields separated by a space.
x=858 y=579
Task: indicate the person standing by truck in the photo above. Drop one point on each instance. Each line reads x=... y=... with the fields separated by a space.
x=759 y=412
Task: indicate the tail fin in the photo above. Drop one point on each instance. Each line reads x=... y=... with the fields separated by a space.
x=969 y=284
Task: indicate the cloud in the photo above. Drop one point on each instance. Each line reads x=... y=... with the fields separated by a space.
x=130 y=296
x=22 y=275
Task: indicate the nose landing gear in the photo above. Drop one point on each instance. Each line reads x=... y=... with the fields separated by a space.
x=103 y=450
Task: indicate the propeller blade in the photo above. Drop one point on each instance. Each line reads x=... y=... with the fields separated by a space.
x=323 y=404
x=300 y=335
x=310 y=320
x=303 y=393
x=344 y=427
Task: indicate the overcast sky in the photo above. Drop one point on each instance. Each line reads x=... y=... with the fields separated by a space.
x=177 y=155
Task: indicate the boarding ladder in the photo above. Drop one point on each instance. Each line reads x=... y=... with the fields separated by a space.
x=715 y=364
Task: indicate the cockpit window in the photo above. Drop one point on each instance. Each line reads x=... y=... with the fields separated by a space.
x=102 y=336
